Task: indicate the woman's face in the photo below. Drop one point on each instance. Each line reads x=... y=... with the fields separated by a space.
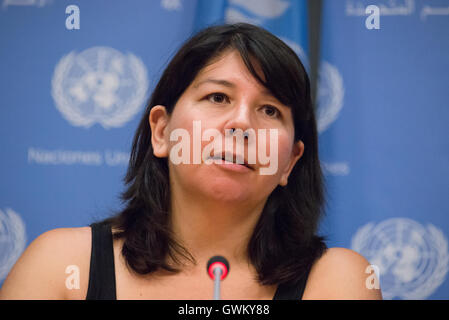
x=225 y=95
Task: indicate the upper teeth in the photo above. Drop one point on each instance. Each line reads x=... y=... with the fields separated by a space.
x=224 y=158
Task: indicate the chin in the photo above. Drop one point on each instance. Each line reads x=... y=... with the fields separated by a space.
x=218 y=185
x=226 y=190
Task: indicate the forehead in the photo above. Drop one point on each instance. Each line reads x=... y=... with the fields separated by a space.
x=230 y=65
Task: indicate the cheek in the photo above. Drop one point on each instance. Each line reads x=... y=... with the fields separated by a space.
x=186 y=119
x=285 y=151
x=278 y=150
x=179 y=137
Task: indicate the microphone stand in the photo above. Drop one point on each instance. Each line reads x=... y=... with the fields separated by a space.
x=217 y=268
x=217 y=274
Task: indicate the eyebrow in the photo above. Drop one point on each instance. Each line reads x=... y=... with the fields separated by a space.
x=226 y=83
x=216 y=81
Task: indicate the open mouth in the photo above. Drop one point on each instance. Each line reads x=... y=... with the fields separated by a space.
x=226 y=156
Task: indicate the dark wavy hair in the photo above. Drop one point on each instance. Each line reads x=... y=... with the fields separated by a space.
x=284 y=243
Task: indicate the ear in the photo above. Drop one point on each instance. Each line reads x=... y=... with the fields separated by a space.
x=297 y=152
x=158 y=120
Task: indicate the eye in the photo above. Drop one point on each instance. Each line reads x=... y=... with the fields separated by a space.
x=271 y=111
x=217 y=97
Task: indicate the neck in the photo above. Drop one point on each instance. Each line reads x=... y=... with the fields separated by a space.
x=207 y=227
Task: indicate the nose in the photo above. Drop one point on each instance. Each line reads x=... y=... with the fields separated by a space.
x=240 y=119
x=245 y=133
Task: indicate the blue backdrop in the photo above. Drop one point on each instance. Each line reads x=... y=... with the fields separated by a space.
x=71 y=99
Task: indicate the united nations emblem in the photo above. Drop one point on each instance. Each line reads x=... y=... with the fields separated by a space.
x=12 y=240
x=255 y=11
x=100 y=85
x=329 y=96
x=299 y=52
x=413 y=260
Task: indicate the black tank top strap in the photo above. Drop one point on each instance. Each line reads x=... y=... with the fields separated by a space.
x=102 y=269
x=286 y=291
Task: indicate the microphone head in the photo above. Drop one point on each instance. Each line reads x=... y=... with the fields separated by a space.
x=218 y=262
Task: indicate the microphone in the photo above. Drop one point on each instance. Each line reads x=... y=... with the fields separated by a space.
x=218 y=269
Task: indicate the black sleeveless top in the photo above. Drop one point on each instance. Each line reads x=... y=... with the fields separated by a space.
x=102 y=270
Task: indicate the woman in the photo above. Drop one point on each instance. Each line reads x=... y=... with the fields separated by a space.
x=232 y=79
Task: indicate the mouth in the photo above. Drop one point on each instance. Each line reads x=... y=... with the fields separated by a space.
x=226 y=155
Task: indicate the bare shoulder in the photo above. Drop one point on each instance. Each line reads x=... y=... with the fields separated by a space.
x=342 y=274
x=43 y=270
